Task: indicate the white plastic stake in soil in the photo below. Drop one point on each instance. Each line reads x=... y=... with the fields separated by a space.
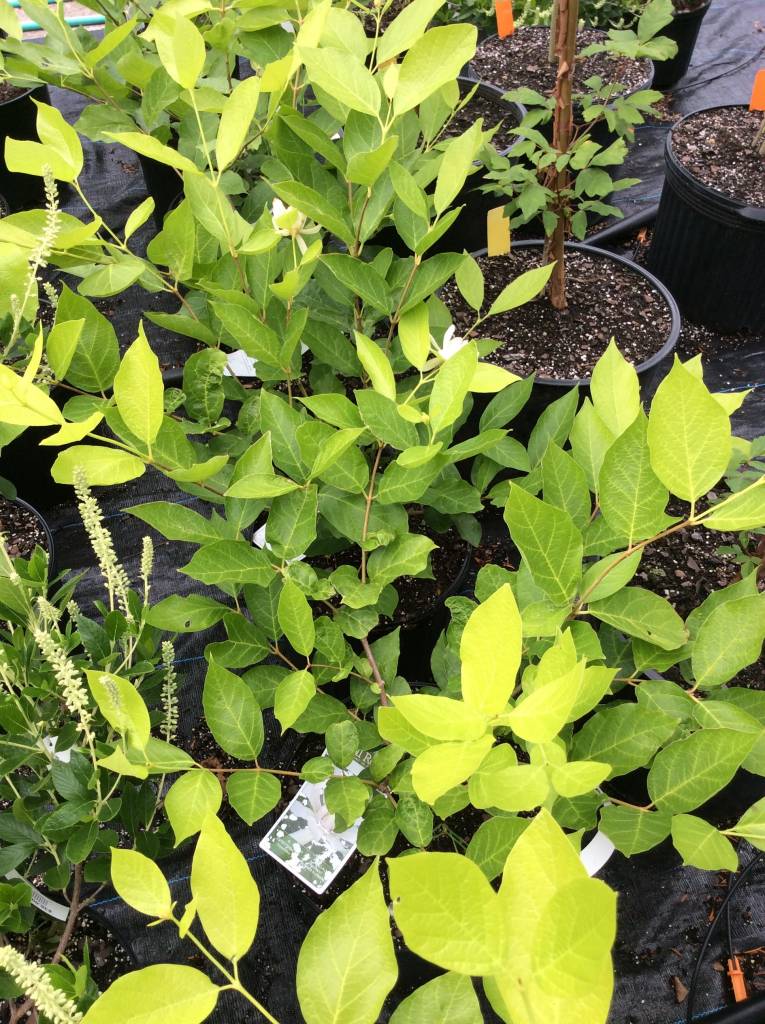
x=595 y=854
x=302 y=837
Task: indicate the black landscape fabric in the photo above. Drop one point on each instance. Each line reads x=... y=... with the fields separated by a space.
x=664 y=909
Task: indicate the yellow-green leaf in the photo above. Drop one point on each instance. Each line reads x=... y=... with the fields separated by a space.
x=227 y=896
x=490 y=652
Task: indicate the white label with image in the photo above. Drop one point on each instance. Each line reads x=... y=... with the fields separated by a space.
x=302 y=837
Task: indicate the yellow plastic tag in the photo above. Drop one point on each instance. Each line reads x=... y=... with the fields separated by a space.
x=497 y=232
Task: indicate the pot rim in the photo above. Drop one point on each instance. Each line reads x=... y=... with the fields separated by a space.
x=22 y=96
x=700 y=10
x=674 y=332
x=495 y=94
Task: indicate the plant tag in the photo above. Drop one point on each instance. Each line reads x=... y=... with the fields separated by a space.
x=505 y=21
x=595 y=854
x=497 y=232
x=757 y=102
x=259 y=540
x=240 y=365
x=40 y=902
x=302 y=837
x=49 y=742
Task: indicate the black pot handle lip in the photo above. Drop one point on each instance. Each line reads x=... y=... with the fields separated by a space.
x=755 y=213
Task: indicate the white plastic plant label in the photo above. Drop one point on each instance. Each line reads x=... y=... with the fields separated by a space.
x=40 y=902
x=596 y=853
x=49 y=743
x=259 y=540
x=240 y=365
x=302 y=839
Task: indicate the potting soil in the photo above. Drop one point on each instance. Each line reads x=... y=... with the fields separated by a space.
x=664 y=908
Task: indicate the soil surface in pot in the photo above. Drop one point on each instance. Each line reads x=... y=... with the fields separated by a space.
x=492 y=113
x=22 y=530
x=10 y=92
x=522 y=60
x=688 y=566
x=395 y=8
x=605 y=299
x=717 y=147
x=416 y=595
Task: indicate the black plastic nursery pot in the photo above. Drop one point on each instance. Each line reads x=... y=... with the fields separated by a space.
x=28 y=466
x=420 y=632
x=709 y=249
x=163 y=183
x=18 y=119
x=684 y=30
x=547 y=390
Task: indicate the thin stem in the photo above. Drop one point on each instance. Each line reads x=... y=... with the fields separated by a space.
x=367 y=511
x=643 y=808
x=626 y=554
x=202 y=138
x=234 y=984
x=384 y=699
x=397 y=312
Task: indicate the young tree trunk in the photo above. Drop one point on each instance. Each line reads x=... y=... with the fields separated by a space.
x=563 y=125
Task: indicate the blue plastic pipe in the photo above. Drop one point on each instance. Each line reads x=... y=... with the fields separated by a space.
x=80 y=19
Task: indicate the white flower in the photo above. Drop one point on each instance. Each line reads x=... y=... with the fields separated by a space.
x=451 y=345
x=289 y=222
x=38 y=985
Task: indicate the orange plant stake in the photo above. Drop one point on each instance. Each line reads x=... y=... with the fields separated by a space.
x=757 y=102
x=505 y=21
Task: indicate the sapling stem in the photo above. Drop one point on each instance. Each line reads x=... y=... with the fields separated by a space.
x=759 y=138
x=554 y=12
x=19 y=1012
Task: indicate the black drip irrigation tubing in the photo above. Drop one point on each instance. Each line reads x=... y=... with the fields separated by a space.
x=752 y=1011
x=753 y=56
